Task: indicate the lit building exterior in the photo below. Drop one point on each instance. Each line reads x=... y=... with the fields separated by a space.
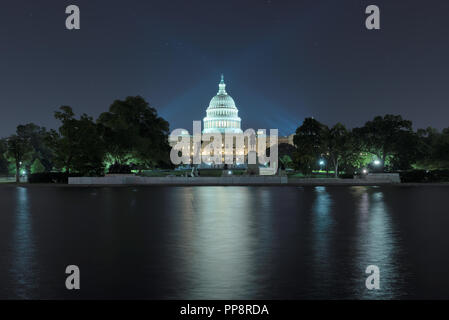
x=222 y=118
x=222 y=114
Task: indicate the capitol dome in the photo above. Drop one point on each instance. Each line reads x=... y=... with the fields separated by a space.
x=222 y=114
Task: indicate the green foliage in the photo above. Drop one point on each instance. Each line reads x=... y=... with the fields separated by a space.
x=357 y=160
x=315 y=140
x=389 y=139
x=3 y=161
x=210 y=172
x=285 y=149
x=78 y=146
x=37 y=167
x=309 y=142
x=18 y=152
x=132 y=135
x=163 y=173
x=39 y=147
x=285 y=154
x=406 y=151
x=132 y=130
x=384 y=136
x=433 y=149
x=286 y=161
x=341 y=148
x=304 y=162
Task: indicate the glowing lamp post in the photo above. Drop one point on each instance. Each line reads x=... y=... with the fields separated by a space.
x=321 y=164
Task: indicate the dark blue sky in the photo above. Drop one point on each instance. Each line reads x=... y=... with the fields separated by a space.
x=282 y=60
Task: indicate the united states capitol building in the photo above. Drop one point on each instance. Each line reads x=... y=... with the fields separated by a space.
x=222 y=116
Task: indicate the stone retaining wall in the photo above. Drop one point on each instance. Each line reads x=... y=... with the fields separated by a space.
x=135 y=180
x=392 y=177
x=220 y=181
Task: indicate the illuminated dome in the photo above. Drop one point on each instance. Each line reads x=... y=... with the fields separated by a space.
x=222 y=114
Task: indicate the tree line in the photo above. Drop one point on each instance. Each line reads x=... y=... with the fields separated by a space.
x=386 y=143
x=132 y=135
x=129 y=134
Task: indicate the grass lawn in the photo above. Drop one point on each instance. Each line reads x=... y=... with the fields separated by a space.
x=219 y=172
x=315 y=174
x=181 y=173
x=162 y=173
x=7 y=179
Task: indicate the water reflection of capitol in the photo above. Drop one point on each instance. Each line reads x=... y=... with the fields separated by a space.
x=222 y=116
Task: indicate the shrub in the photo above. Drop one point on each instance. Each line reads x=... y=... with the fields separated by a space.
x=119 y=169
x=210 y=172
x=413 y=176
x=48 y=177
x=425 y=176
x=438 y=176
x=37 y=166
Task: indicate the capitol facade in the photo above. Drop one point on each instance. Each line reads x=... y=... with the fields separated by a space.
x=222 y=114
x=222 y=117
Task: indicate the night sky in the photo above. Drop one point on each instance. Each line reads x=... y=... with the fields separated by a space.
x=282 y=60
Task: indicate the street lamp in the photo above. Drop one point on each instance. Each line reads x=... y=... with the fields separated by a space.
x=321 y=164
x=377 y=162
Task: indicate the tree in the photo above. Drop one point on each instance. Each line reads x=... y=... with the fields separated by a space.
x=340 y=146
x=433 y=149
x=38 y=138
x=286 y=161
x=78 y=145
x=18 y=150
x=285 y=154
x=443 y=148
x=3 y=161
x=37 y=166
x=310 y=144
x=381 y=135
x=64 y=142
x=407 y=151
x=285 y=149
x=133 y=132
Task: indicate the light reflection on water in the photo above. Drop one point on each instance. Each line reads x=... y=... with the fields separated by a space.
x=224 y=242
x=377 y=242
x=217 y=249
x=23 y=260
x=229 y=243
x=322 y=223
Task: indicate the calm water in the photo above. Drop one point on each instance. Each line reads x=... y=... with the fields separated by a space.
x=224 y=242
